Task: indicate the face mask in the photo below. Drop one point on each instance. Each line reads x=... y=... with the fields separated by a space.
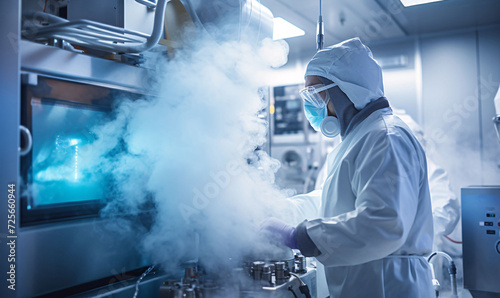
x=315 y=115
x=315 y=108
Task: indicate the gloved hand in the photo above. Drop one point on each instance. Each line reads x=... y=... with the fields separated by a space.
x=281 y=230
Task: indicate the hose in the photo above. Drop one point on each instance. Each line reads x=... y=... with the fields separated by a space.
x=303 y=288
x=452 y=270
x=290 y=288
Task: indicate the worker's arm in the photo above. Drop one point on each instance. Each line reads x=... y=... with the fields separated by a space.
x=385 y=178
x=304 y=206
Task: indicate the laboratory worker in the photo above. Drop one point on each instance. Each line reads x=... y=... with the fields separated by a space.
x=374 y=224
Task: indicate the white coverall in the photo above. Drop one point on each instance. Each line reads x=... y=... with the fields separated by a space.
x=375 y=213
x=371 y=224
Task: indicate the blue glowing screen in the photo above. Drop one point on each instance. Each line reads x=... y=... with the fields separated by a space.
x=62 y=163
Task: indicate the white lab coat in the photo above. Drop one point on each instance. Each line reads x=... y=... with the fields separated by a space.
x=445 y=205
x=375 y=213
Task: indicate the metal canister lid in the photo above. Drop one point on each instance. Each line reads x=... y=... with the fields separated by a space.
x=257 y=269
x=266 y=269
x=279 y=265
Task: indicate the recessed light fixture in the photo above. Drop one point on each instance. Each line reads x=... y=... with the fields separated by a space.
x=407 y=3
x=284 y=29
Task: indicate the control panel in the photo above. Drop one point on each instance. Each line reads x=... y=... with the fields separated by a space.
x=481 y=238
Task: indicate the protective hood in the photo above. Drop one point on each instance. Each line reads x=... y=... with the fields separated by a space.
x=350 y=64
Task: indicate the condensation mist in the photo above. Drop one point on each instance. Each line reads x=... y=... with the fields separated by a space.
x=192 y=153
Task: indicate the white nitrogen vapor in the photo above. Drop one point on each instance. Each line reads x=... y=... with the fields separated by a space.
x=192 y=149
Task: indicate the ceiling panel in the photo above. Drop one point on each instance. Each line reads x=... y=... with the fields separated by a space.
x=379 y=19
x=444 y=15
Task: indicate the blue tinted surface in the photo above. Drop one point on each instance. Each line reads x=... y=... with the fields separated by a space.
x=62 y=168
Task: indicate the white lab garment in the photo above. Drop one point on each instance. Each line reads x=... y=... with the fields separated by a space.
x=375 y=213
x=445 y=205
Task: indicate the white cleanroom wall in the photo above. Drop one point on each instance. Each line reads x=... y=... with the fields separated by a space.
x=460 y=74
x=447 y=84
x=489 y=70
x=450 y=105
x=400 y=86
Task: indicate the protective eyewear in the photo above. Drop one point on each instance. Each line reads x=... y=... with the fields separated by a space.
x=310 y=94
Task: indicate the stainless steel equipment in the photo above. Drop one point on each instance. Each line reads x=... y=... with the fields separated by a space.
x=320 y=31
x=51 y=228
x=288 y=278
x=91 y=34
x=128 y=26
x=127 y=14
x=74 y=252
x=225 y=18
x=481 y=241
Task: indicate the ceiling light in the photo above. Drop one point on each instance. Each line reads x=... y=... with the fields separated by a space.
x=284 y=29
x=407 y=3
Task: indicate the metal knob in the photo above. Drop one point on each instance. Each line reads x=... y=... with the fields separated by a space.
x=257 y=269
x=301 y=263
x=267 y=275
x=280 y=271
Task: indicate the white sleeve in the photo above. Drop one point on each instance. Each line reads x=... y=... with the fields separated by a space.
x=386 y=180
x=304 y=206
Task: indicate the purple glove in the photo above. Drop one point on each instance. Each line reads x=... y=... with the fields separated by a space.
x=280 y=229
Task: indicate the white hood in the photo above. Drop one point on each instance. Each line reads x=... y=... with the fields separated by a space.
x=350 y=64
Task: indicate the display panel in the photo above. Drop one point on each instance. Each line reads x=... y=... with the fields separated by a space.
x=61 y=174
x=60 y=160
x=288 y=112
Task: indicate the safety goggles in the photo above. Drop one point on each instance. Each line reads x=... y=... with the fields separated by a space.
x=310 y=94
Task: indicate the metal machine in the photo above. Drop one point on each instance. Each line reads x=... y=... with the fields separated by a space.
x=74 y=58
x=273 y=279
x=481 y=241
x=131 y=27
x=481 y=233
